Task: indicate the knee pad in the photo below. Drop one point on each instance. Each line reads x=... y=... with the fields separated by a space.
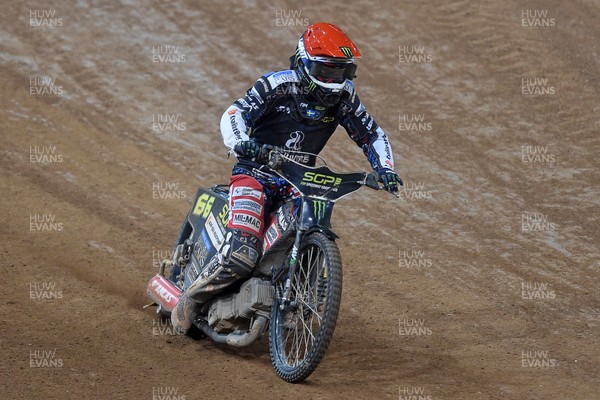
x=246 y=206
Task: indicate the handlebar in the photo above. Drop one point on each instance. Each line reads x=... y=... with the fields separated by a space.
x=260 y=157
x=272 y=157
x=372 y=181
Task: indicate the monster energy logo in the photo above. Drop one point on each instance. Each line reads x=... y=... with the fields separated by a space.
x=311 y=85
x=319 y=207
x=297 y=58
x=347 y=52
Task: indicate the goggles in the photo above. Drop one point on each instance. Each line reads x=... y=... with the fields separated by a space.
x=331 y=72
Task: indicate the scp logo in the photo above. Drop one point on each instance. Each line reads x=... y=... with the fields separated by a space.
x=321 y=179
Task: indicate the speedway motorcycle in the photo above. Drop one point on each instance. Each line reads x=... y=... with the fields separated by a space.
x=296 y=288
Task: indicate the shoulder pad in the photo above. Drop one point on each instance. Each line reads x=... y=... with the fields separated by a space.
x=277 y=78
x=349 y=87
x=350 y=101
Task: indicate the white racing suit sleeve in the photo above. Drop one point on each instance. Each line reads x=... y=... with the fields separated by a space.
x=233 y=127
x=243 y=114
x=380 y=147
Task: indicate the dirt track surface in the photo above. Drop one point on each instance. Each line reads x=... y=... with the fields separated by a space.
x=480 y=283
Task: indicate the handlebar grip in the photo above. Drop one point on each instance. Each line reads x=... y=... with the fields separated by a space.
x=274 y=160
x=259 y=157
x=372 y=179
x=265 y=156
x=237 y=148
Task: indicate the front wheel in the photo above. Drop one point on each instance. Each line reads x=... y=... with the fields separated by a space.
x=301 y=332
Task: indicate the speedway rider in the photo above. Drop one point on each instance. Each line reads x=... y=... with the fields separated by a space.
x=298 y=110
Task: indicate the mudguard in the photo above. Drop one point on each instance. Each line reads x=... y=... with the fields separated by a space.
x=326 y=231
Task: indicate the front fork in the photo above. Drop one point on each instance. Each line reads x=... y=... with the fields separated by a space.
x=293 y=263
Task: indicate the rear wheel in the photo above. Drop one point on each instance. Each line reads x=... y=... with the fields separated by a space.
x=300 y=333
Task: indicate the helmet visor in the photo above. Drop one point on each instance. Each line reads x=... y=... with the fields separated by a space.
x=331 y=72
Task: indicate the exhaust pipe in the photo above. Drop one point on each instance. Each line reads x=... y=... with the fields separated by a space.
x=163 y=293
x=235 y=339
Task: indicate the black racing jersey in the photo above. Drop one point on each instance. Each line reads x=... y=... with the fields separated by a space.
x=269 y=114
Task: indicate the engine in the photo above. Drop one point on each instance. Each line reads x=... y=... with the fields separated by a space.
x=234 y=312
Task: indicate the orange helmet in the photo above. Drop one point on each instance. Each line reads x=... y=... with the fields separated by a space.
x=324 y=60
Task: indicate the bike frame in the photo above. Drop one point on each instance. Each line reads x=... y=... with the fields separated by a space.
x=319 y=188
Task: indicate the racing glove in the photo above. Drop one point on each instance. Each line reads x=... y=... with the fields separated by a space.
x=391 y=180
x=248 y=149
